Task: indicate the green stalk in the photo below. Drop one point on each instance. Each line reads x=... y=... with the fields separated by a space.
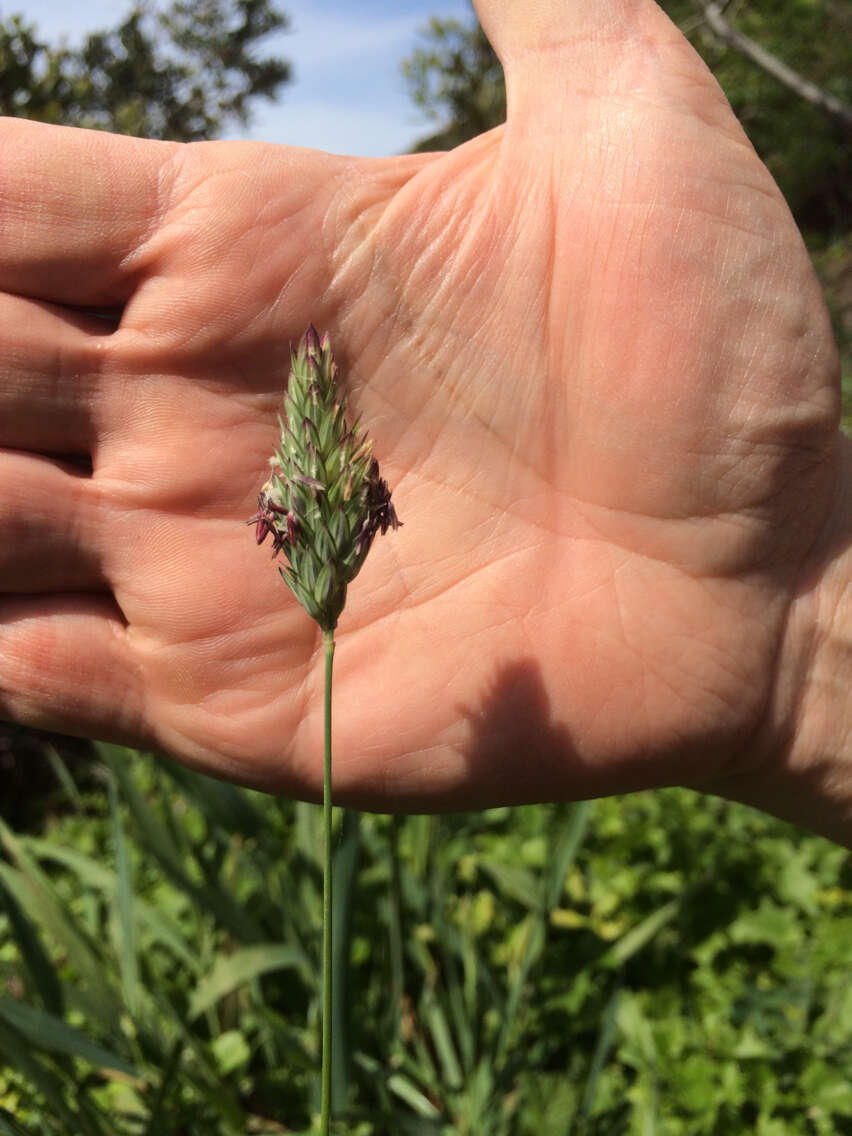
x=325 y=1113
x=323 y=504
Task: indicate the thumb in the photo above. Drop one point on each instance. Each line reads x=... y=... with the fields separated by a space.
x=514 y=29
x=554 y=49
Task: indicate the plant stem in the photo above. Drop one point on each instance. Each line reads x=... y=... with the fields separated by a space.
x=325 y=1113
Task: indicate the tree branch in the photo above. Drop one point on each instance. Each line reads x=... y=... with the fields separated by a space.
x=712 y=14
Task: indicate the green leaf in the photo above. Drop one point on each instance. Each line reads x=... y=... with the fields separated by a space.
x=42 y=1078
x=232 y=971
x=223 y=804
x=9 y=1126
x=442 y=1040
x=43 y=980
x=215 y=898
x=770 y=924
x=93 y=874
x=35 y=894
x=154 y=833
x=603 y=1046
x=571 y=834
x=412 y=1096
x=231 y=1051
x=639 y=936
x=533 y=946
x=516 y=883
x=63 y=776
x=45 y=1031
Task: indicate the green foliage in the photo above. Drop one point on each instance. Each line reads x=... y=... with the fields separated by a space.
x=456 y=79
x=661 y=962
x=182 y=74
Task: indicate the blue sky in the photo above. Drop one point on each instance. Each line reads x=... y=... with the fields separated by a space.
x=348 y=95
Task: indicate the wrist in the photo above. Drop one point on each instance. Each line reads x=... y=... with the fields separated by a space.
x=801 y=765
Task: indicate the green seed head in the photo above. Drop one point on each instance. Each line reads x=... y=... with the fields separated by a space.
x=325 y=500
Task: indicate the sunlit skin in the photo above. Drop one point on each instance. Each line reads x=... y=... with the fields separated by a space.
x=595 y=362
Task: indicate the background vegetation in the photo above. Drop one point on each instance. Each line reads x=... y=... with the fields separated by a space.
x=660 y=963
x=183 y=72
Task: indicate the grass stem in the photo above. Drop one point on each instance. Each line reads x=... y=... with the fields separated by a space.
x=325 y=1108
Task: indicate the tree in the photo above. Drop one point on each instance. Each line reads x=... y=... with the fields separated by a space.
x=458 y=80
x=711 y=14
x=182 y=73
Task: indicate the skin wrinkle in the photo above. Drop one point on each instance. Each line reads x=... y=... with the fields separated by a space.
x=215 y=640
x=676 y=696
x=39 y=473
x=351 y=225
x=445 y=589
x=421 y=212
x=624 y=41
x=515 y=510
x=723 y=663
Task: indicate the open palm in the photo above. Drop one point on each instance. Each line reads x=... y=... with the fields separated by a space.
x=593 y=358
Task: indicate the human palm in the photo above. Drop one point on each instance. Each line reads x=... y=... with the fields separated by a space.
x=594 y=360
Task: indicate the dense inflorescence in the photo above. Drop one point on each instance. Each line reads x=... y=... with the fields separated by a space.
x=325 y=499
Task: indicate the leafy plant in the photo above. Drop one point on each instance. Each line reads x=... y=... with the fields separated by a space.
x=660 y=962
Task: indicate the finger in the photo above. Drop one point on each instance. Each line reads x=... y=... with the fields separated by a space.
x=75 y=209
x=49 y=365
x=66 y=665
x=51 y=527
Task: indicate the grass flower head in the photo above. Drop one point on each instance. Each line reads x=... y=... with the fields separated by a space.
x=325 y=499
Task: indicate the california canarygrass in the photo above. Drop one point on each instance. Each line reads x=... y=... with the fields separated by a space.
x=322 y=505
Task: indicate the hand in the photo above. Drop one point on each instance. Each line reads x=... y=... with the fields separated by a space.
x=596 y=365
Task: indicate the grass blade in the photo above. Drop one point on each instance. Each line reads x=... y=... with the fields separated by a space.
x=534 y=945
x=571 y=834
x=157 y=1118
x=91 y=873
x=42 y=980
x=606 y=1036
x=128 y=962
x=44 y=1080
x=158 y=840
x=234 y=970
x=442 y=1040
x=45 y=1031
x=632 y=941
x=35 y=894
x=343 y=896
x=516 y=883
x=63 y=776
x=223 y=804
x=406 y=1091
x=395 y=932
x=9 y=1126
